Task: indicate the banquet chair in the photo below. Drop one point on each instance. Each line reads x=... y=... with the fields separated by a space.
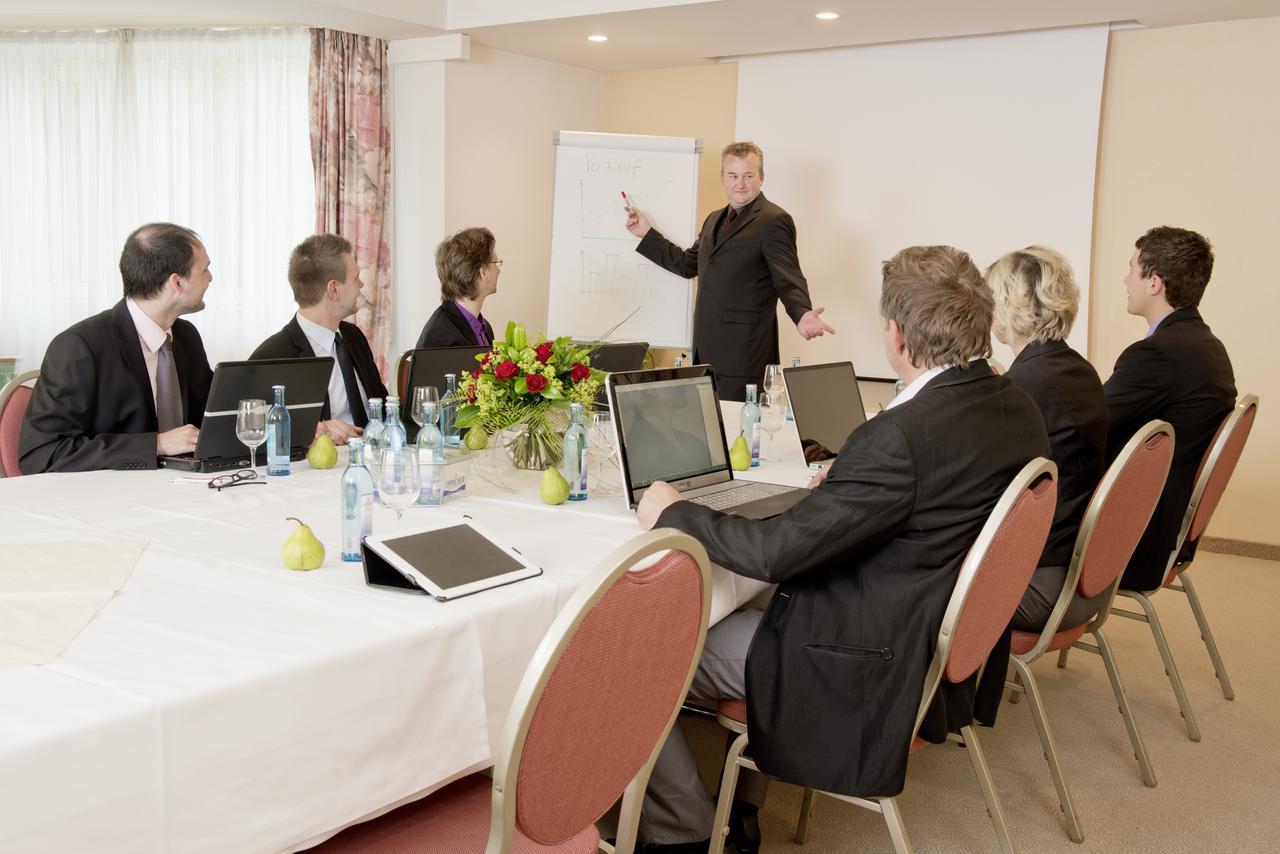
x=404 y=367
x=1113 y=523
x=587 y=721
x=1215 y=472
x=992 y=579
x=14 y=398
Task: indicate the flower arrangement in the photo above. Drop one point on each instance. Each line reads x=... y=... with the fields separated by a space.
x=531 y=385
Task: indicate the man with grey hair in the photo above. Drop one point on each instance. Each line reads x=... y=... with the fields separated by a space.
x=122 y=388
x=865 y=564
x=745 y=260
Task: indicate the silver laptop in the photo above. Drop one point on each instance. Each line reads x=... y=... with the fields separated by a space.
x=668 y=427
x=827 y=406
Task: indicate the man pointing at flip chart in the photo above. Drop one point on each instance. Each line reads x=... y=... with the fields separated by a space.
x=745 y=260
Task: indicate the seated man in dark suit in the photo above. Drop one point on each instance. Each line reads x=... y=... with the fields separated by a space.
x=1179 y=373
x=326 y=285
x=468 y=267
x=121 y=388
x=865 y=563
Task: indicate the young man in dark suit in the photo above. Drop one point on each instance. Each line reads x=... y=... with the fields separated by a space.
x=1179 y=373
x=326 y=285
x=121 y=388
x=864 y=564
x=745 y=260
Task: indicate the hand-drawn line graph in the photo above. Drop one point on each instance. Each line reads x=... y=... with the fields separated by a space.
x=615 y=274
x=604 y=216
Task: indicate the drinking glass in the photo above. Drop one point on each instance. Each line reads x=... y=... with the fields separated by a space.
x=605 y=476
x=773 y=412
x=251 y=428
x=773 y=378
x=423 y=395
x=398 y=479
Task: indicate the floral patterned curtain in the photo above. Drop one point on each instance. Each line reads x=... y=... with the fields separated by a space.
x=351 y=153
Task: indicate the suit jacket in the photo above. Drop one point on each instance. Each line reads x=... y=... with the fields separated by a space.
x=741 y=277
x=93 y=407
x=292 y=343
x=446 y=327
x=1069 y=394
x=1180 y=373
x=865 y=566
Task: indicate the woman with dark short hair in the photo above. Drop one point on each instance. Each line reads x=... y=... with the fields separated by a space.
x=1036 y=300
x=468 y=269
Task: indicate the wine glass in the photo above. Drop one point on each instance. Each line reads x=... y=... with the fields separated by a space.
x=399 y=482
x=601 y=453
x=251 y=428
x=422 y=395
x=773 y=411
x=773 y=378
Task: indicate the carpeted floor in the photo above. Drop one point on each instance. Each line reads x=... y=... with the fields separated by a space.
x=1219 y=795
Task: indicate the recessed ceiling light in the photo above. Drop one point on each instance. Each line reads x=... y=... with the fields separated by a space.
x=598 y=37
x=827 y=16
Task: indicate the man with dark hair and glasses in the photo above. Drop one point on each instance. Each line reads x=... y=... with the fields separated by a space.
x=1178 y=372
x=128 y=385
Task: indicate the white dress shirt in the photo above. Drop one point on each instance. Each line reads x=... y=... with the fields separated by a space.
x=152 y=338
x=321 y=339
x=916 y=384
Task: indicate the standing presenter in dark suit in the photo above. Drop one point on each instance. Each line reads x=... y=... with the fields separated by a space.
x=745 y=260
x=468 y=268
x=326 y=285
x=124 y=387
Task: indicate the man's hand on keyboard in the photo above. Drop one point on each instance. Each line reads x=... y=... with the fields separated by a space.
x=658 y=497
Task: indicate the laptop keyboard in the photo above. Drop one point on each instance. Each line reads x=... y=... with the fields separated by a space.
x=739 y=495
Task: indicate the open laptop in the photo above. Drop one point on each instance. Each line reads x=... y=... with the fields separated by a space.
x=429 y=366
x=667 y=426
x=306 y=383
x=827 y=406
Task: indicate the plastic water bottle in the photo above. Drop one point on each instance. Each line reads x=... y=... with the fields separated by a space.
x=791 y=416
x=431 y=458
x=393 y=437
x=750 y=423
x=357 y=502
x=574 y=464
x=279 y=435
x=449 y=412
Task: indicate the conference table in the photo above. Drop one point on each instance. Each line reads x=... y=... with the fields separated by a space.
x=221 y=702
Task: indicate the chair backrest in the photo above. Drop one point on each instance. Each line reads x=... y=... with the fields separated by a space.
x=602 y=692
x=993 y=577
x=14 y=398
x=404 y=365
x=1217 y=467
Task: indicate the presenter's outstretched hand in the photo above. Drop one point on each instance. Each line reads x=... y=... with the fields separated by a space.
x=811 y=325
x=179 y=440
x=658 y=497
x=637 y=223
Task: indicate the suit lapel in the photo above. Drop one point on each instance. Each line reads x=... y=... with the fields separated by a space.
x=131 y=352
x=749 y=213
x=298 y=338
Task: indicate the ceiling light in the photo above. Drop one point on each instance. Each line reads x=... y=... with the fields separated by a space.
x=827 y=16
x=598 y=37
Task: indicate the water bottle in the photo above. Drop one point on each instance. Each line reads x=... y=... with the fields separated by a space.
x=449 y=412
x=791 y=416
x=373 y=430
x=750 y=423
x=680 y=361
x=357 y=502
x=279 y=434
x=431 y=458
x=393 y=437
x=574 y=463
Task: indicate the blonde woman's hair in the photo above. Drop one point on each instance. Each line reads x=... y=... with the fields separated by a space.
x=938 y=299
x=1036 y=296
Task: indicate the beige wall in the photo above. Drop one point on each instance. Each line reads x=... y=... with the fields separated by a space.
x=698 y=101
x=1190 y=126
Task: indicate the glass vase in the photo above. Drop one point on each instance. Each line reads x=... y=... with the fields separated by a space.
x=535 y=446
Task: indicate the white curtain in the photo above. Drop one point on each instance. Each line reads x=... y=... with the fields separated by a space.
x=103 y=132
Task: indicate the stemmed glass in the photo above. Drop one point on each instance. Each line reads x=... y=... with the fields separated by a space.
x=399 y=482
x=773 y=379
x=773 y=412
x=422 y=395
x=251 y=428
x=601 y=453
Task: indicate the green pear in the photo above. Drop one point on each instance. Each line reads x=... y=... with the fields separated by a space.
x=322 y=454
x=555 y=489
x=740 y=454
x=302 y=550
x=475 y=440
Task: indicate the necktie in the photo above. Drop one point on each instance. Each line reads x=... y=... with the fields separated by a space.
x=726 y=222
x=733 y=214
x=358 y=415
x=168 y=392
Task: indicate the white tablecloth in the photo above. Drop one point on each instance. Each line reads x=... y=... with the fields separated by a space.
x=221 y=702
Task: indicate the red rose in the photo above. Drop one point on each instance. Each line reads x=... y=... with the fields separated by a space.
x=535 y=383
x=475 y=375
x=580 y=372
x=543 y=351
x=506 y=370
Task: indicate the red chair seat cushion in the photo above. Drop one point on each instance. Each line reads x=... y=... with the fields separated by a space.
x=1024 y=642
x=454 y=820
x=734 y=710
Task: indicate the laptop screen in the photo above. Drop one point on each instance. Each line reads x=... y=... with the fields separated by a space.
x=669 y=428
x=827 y=406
